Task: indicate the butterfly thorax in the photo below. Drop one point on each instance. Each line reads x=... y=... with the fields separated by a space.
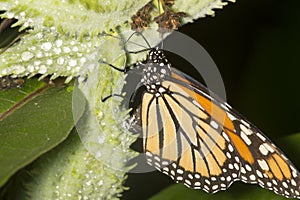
x=155 y=69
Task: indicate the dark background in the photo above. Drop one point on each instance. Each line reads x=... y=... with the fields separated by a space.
x=255 y=45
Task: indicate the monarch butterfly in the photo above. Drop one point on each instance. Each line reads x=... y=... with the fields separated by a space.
x=200 y=140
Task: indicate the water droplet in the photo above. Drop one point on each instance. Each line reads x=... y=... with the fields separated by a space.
x=49 y=62
x=39 y=54
x=22 y=14
x=75 y=49
x=27 y=55
x=60 y=61
x=98 y=155
x=39 y=35
x=66 y=49
x=82 y=60
x=4 y=72
x=10 y=15
x=19 y=69
x=100 y=139
x=73 y=63
x=57 y=50
x=46 y=46
x=30 y=68
x=43 y=69
x=33 y=48
x=58 y=43
x=37 y=63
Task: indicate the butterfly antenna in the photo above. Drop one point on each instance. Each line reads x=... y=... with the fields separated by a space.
x=140 y=51
x=124 y=42
x=139 y=34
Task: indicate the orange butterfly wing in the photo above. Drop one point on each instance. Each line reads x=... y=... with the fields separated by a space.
x=204 y=143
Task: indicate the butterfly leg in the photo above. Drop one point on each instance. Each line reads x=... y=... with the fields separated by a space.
x=125 y=70
x=111 y=95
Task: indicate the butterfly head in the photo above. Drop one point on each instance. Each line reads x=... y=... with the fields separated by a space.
x=155 y=69
x=157 y=55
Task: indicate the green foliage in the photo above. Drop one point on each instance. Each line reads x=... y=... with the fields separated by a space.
x=63 y=40
x=39 y=119
x=248 y=192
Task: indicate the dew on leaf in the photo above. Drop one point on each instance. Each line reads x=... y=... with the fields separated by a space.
x=43 y=69
x=58 y=43
x=66 y=49
x=57 y=50
x=27 y=55
x=72 y=63
x=19 y=69
x=60 y=61
x=46 y=46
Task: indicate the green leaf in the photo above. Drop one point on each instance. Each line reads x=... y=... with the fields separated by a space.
x=12 y=97
x=236 y=191
x=73 y=17
x=42 y=119
x=69 y=46
x=66 y=33
x=290 y=145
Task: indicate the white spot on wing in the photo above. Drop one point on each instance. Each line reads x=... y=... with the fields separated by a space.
x=248 y=167
x=187 y=182
x=228 y=155
x=148 y=154
x=165 y=163
x=252 y=177
x=179 y=171
x=225 y=136
x=230 y=148
x=245 y=138
x=198 y=105
x=207 y=182
x=224 y=107
x=231 y=116
x=161 y=90
x=215 y=187
x=246 y=123
x=197 y=183
x=229 y=106
x=214 y=124
x=269 y=148
x=261 y=136
x=263 y=150
x=228 y=178
x=190 y=176
x=263 y=165
x=236 y=166
x=259 y=173
x=246 y=130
